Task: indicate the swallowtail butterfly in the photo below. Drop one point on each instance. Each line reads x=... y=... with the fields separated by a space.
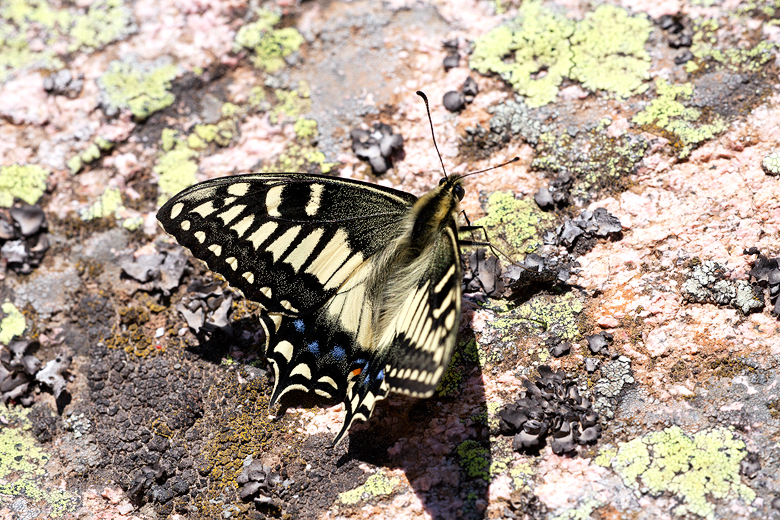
x=360 y=284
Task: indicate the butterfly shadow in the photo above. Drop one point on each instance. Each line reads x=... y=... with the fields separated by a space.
x=442 y=444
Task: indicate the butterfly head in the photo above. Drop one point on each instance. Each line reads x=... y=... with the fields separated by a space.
x=454 y=185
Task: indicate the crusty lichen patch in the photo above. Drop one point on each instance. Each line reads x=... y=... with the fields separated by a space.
x=515 y=225
x=695 y=469
x=26 y=182
x=668 y=115
x=13 y=323
x=376 y=485
x=269 y=46
x=141 y=88
x=540 y=47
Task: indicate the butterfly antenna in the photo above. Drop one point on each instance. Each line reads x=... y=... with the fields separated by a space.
x=433 y=135
x=491 y=168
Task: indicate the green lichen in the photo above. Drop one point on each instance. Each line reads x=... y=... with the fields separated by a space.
x=305 y=128
x=299 y=158
x=13 y=324
x=515 y=223
x=377 y=485
x=583 y=511
x=90 y=154
x=532 y=52
x=143 y=89
x=25 y=21
x=177 y=170
x=291 y=104
x=108 y=205
x=106 y=21
x=605 y=456
x=269 y=46
x=771 y=163
x=609 y=51
x=539 y=48
x=596 y=161
x=711 y=51
x=668 y=115
x=556 y=314
x=26 y=182
x=695 y=469
x=22 y=468
x=474 y=459
x=465 y=356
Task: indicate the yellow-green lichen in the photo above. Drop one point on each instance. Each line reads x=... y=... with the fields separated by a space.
x=176 y=169
x=376 y=485
x=695 y=469
x=710 y=50
x=516 y=223
x=290 y=104
x=556 y=314
x=537 y=44
x=13 y=324
x=540 y=47
x=466 y=355
x=583 y=511
x=269 y=46
x=26 y=182
x=605 y=456
x=298 y=158
x=474 y=459
x=668 y=115
x=61 y=27
x=108 y=205
x=143 y=89
x=90 y=154
x=609 y=51
x=22 y=468
x=305 y=128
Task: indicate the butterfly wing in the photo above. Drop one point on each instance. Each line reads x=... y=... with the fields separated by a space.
x=422 y=335
x=288 y=241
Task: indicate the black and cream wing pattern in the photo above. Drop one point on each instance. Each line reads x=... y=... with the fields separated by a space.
x=360 y=284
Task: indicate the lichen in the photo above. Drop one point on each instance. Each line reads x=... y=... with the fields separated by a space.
x=13 y=324
x=176 y=169
x=22 y=468
x=692 y=468
x=80 y=29
x=518 y=223
x=668 y=115
x=556 y=314
x=539 y=48
x=107 y=205
x=143 y=89
x=26 y=182
x=609 y=51
x=269 y=46
x=711 y=51
x=474 y=459
x=291 y=104
x=538 y=42
x=377 y=485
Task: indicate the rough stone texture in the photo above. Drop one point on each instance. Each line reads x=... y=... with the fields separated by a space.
x=107 y=109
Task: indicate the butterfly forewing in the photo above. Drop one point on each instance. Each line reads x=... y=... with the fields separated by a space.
x=287 y=241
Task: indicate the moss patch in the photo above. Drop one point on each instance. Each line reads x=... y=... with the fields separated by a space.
x=682 y=125
x=26 y=182
x=143 y=89
x=694 y=468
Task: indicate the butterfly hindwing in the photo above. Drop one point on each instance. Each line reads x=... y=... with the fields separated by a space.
x=287 y=241
x=425 y=331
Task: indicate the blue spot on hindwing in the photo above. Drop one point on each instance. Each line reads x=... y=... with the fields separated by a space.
x=299 y=325
x=381 y=375
x=313 y=347
x=339 y=353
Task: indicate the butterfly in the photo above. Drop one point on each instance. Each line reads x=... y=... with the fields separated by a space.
x=360 y=284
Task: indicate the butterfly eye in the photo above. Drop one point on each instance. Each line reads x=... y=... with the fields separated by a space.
x=458 y=191
x=442 y=181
